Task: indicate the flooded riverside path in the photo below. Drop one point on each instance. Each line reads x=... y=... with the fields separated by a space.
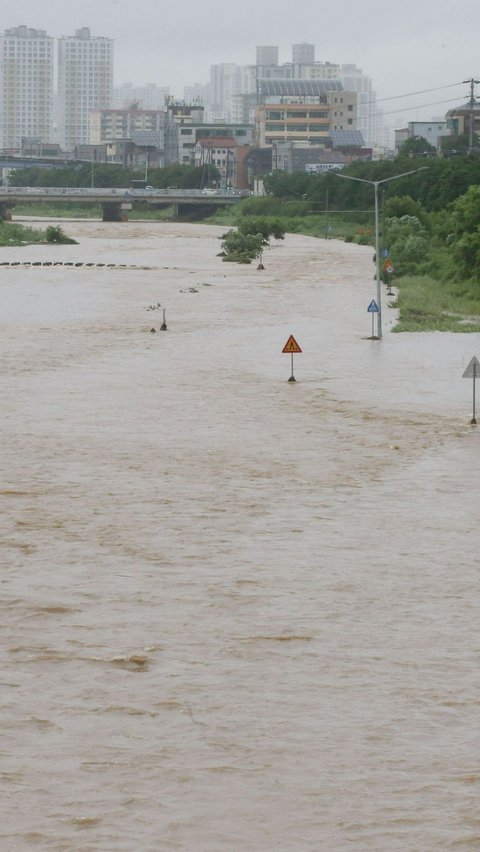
x=238 y=614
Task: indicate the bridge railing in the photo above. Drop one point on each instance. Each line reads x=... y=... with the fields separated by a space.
x=83 y=191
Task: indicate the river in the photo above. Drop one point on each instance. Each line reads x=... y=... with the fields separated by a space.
x=239 y=614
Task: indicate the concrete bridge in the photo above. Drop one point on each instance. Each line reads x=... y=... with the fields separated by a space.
x=115 y=203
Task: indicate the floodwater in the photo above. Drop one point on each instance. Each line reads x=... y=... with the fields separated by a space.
x=239 y=614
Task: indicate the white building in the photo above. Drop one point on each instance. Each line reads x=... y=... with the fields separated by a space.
x=109 y=125
x=303 y=54
x=267 y=55
x=225 y=82
x=197 y=93
x=26 y=86
x=85 y=82
x=149 y=96
x=354 y=80
x=432 y=131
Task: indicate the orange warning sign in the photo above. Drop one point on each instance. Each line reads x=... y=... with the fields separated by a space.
x=291 y=345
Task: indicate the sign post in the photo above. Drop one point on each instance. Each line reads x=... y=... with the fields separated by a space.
x=373 y=309
x=291 y=346
x=388 y=271
x=472 y=371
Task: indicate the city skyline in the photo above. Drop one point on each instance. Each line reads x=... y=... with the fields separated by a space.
x=403 y=49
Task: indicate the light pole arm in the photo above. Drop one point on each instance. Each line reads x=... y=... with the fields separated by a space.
x=376 y=184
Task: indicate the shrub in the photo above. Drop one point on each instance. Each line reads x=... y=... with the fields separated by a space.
x=241 y=248
x=55 y=234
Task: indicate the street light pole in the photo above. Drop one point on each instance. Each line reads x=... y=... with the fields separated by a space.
x=377 y=264
x=376 y=184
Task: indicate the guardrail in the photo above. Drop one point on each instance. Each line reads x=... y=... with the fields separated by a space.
x=85 y=192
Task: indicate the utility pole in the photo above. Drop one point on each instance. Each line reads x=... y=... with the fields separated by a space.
x=472 y=105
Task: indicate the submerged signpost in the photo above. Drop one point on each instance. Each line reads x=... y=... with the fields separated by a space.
x=472 y=371
x=291 y=347
x=373 y=309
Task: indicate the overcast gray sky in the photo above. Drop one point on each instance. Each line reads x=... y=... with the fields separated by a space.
x=406 y=46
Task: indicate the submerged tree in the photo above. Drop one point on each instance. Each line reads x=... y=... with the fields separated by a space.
x=249 y=241
x=241 y=248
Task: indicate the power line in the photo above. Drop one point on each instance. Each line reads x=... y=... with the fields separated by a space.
x=421 y=92
x=419 y=106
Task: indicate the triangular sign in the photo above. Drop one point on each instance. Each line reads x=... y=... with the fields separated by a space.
x=373 y=307
x=473 y=369
x=291 y=345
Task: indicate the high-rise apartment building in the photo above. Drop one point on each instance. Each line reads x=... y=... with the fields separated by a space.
x=224 y=83
x=149 y=96
x=26 y=86
x=354 y=80
x=85 y=82
x=303 y=54
x=267 y=55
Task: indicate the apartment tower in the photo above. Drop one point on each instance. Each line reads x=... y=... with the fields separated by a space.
x=26 y=86
x=303 y=54
x=85 y=82
x=267 y=55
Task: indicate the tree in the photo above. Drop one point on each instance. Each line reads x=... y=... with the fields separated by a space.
x=407 y=241
x=465 y=240
x=466 y=211
x=456 y=146
x=248 y=242
x=416 y=146
x=241 y=248
x=266 y=227
x=404 y=205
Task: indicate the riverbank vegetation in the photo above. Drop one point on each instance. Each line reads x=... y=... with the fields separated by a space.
x=429 y=229
x=12 y=234
x=429 y=222
x=111 y=175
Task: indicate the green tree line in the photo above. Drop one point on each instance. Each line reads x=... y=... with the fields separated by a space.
x=110 y=175
x=441 y=183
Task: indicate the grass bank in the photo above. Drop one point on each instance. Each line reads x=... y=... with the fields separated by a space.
x=80 y=211
x=58 y=211
x=426 y=304
x=12 y=234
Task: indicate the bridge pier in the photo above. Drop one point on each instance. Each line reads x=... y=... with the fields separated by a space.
x=6 y=208
x=115 y=211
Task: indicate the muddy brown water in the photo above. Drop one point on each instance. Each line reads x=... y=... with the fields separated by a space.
x=238 y=614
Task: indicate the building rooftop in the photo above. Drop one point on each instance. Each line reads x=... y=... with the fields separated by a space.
x=297 y=88
x=147 y=138
x=344 y=138
x=465 y=108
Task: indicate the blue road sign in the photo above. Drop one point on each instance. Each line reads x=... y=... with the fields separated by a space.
x=373 y=307
x=385 y=252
